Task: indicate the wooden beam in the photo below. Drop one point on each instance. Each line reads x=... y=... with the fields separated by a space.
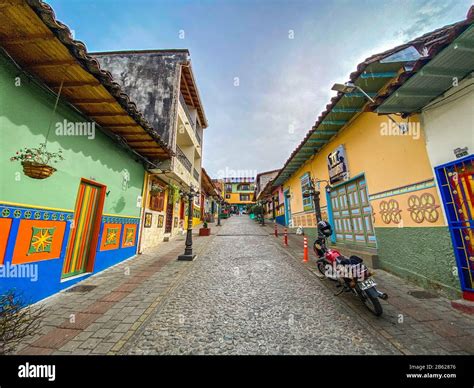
x=9 y=41
x=108 y=114
x=56 y=63
x=131 y=125
x=186 y=85
x=10 y=3
x=138 y=148
x=140 y=141
x=74 y=84
x=129 y=133
x=92 y=100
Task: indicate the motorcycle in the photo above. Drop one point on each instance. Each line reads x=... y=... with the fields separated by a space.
x=350 y=273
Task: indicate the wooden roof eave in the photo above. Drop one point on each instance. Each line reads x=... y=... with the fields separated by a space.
x=192 y=94
x=50 y=55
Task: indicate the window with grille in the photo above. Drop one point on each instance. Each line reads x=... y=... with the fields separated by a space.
x=305 y=186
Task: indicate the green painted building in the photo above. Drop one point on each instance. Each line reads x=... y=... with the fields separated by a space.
x=71 y=179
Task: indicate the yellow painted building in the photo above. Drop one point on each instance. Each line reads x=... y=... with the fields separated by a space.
x=377 y=185
x=239 y=192
x=387 y=162
x=387 y=209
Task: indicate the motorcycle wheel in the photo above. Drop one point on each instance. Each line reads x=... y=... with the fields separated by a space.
x=371 y=300
x=321 y=268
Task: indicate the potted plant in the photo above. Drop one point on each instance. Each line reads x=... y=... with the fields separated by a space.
x=156 y=188
x=173 y=192
x=204 y=230
x=36 y=162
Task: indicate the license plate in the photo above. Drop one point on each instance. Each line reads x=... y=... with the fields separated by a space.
x=368 y=283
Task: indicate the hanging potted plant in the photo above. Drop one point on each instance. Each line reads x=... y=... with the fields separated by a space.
x=37 y=162
x=156 y=188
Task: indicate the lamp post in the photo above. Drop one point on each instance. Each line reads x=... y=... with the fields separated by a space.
x=273 y=209
x=219 y=209
x=262 y=204
x=188 y=251
x=315 y=194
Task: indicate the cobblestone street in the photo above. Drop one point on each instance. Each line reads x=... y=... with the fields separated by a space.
x=244 y=294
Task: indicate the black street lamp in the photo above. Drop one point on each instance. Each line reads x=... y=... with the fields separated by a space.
x=273 y=209
x=263 y=214
x=315 y=194
x=188 y=251
x=219 y=209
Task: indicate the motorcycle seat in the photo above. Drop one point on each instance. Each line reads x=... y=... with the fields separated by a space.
x=353 y=260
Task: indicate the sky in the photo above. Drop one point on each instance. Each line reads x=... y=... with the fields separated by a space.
x=264 y=68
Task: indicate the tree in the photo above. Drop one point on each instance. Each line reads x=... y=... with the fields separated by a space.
x=17 y=320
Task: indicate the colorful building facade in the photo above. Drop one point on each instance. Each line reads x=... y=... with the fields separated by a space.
x=83 y=215
x=163 y=84
x=448 y=125
x=378 y=187
x=271 y=197
x=210 y=198
x=239 y=192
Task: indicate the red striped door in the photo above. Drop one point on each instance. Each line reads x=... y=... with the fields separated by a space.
x=85 y=229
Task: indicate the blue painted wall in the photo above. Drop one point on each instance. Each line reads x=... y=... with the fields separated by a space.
x=280 y=220
x=48 y=281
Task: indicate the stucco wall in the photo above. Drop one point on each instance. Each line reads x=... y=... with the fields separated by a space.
x=388 y=161
x=152 y=82
x=153 y=236
x=422 y=255
x=25 y=114
x=420 y=251
x=449 y=123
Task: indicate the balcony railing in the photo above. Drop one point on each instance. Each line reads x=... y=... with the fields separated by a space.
x=198 y=136
x=187 y=112
x=193 y=124
x=196 y=174
x=183 y=159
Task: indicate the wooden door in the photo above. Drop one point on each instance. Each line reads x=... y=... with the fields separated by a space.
x=352 y=213
x=169 y=218
x=456 y=183
x=85 y=228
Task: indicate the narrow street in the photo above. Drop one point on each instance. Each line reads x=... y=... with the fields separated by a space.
x=244 y=294
x=236 y=178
